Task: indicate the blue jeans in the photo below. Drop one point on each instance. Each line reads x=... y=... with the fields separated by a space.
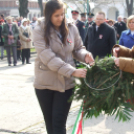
x=2 y=51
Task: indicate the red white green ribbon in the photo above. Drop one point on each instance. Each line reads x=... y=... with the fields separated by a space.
x=78 y=123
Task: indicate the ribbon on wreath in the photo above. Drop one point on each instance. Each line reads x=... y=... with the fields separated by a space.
x=77 y=129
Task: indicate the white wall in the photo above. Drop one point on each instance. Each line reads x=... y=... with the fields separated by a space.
x=14 y=12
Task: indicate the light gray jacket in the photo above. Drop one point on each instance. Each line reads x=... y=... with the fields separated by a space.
x=55 y=65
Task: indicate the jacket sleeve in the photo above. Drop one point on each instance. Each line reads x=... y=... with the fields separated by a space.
x=82 y=31
x=112 y=39
x=117 y=27
x=48 y=57
x=4 y=33
x=22 y=37
x=125 y=27
x=79 y=51
x=121 y=40
x=86 y=40
x=126 y=64
x=16 y=32
x=29 y=33
x=125 y=52
x=0 y=31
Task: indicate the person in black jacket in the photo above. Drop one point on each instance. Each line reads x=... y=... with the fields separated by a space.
x=120 y=26
x=80 y=25
x=100 y=37
x=1 y=41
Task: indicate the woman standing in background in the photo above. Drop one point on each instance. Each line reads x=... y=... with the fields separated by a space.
x=25 y=40
x=127 y=36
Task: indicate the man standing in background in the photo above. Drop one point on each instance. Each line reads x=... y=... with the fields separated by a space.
x=100 y=37
x=80 y=25
x=120 y=26
x=83 y=17
x=10 y=32
x=89 y=22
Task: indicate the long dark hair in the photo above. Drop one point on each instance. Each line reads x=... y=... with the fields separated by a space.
x=50 y=8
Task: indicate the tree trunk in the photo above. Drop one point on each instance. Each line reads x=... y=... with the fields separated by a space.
x=129 y=4
x=23 y=8
x=41 y=6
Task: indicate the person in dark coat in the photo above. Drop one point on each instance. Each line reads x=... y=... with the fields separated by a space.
x=80 y=25
x=1 y=41
x=90 y=19
x=83 y=17
x=10 y=32
x=100 y=37
x=89 y=22
x=111 y=23
x=120 y=26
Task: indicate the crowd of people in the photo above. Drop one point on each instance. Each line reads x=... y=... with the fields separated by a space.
x=58 y=42
x=109 y=31
x=16 y=38
x=100 y=34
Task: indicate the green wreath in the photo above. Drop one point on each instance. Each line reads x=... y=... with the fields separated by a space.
x=106 y=89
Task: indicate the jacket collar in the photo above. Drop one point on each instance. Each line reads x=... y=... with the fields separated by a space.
x=128 y=32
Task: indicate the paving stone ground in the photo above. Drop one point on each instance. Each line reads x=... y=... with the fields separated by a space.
x=20 y=112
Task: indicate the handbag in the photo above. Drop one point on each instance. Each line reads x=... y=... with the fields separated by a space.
x=26 y=34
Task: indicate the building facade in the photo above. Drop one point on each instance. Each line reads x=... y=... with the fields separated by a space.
x=112 y=8
x=10 y=7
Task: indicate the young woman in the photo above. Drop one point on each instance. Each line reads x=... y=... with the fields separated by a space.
x=57 y=43
x=25 y=40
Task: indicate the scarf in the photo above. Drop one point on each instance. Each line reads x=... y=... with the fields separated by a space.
x=24 y=27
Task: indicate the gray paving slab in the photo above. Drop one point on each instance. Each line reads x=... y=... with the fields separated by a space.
x=20 y=112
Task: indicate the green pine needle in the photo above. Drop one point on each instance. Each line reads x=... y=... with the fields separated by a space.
x=111 y=101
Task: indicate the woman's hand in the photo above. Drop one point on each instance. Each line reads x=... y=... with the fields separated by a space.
x=89 y=59
x=116 y=51
x=117 y=63
x=80 y=73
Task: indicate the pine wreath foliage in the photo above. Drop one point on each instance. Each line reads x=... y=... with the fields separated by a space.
x=111 y=101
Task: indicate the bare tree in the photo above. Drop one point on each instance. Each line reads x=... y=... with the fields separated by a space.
x=129 y=4
x=41 y=6
x=23 y=8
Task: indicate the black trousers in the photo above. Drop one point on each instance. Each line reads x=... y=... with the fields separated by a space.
x=14 y=51
x=25 y=55
x=55 y=107
x=18 y=54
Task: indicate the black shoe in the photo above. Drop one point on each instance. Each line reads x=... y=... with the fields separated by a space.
x=15 y=65
x=9 y=64
x=28 y=63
